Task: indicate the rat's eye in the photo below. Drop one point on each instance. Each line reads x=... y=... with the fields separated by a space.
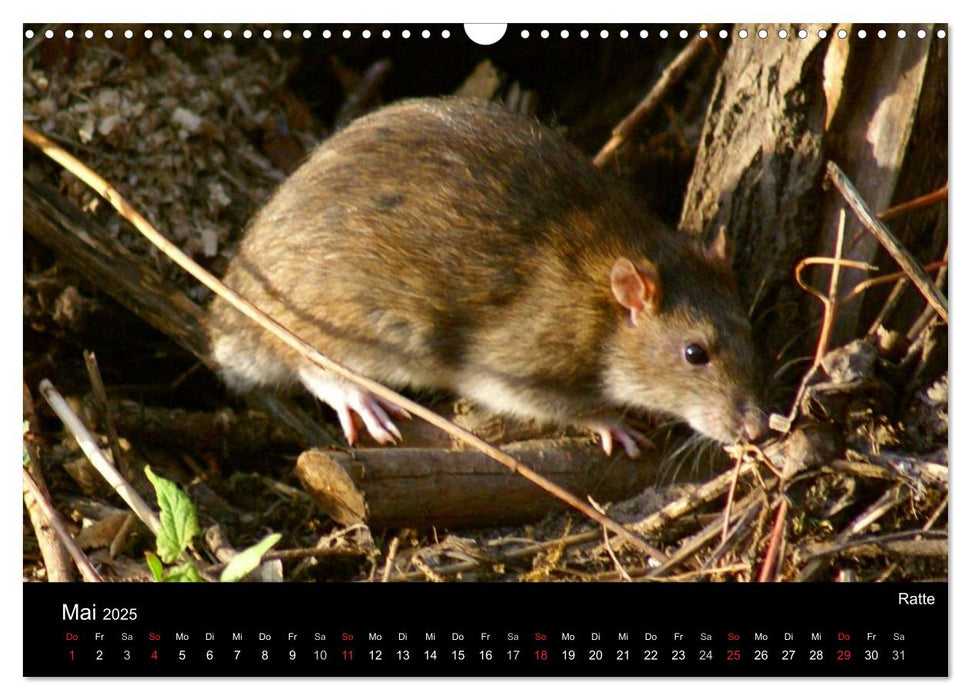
x=696 y=354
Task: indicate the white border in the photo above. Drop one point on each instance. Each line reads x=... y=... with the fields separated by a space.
x=601 y=11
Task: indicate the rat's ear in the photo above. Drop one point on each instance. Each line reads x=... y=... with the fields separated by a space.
x=637 y=290
x=720 y=249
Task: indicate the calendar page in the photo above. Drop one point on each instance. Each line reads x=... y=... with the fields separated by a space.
x=602 y=350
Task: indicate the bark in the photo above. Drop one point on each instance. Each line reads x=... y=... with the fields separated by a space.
x=757 y=170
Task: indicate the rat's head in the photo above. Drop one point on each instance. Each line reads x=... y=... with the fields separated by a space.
x=684 y=345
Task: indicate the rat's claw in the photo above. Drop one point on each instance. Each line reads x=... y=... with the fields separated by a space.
x=393 y=409
x=625 y=435
x=347 y=423
x=375 y=419
x=607 y=438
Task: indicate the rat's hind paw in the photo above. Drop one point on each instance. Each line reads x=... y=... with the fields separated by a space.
x=346 y=398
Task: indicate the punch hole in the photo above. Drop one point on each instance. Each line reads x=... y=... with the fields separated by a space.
x=366 y=34
x=148 y=34
x=841 y=33
x=307 y=33
x=187 y=33
x=722 y=33
x=446 y=34
x=425 y=34
x=604 y=33
x=941 y=34
x=346 y=34
x=228 y=34
x=386 y=34
x=267 y=34
x=902 y=34
x=168 y=34
x=49 y=33
x=882 y=34
x=88 y=34
x=861 y=34
x=247 y=34
x=108 y=34
x=488 y=34
x=802 y=34
x=565 y=34
x=584 y=34
x=683 y=33
x=822 y=33
x=624 y=34
x=287 y=33
x=207 y=34
x=29 y=34
x=763 y=34
x=544 y=34
x=921 y=34
x=69 y=33
x=703 y=33
x=326 y=34
x=742 y=33
x=663 y=33
x=524 y=34
x=783 y=34
x=406 y=34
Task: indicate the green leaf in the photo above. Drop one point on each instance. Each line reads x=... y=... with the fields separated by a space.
x=248 y=559
x=155 y=565
x=26 y=455
x=183 y=573
x=178 y=518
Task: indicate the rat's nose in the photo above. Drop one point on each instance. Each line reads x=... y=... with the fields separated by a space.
x=754 y=425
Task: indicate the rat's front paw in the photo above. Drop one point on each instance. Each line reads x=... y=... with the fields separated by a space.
x=610 y=430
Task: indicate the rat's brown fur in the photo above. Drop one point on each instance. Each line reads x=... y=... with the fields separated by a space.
x=450 y=244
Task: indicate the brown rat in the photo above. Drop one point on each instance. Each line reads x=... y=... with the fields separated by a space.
x=450 y=244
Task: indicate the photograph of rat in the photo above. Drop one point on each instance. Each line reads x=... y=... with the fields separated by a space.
x=451 y=244
x=685 y=282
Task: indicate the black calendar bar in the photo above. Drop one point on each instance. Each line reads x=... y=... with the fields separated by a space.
x=486 y=629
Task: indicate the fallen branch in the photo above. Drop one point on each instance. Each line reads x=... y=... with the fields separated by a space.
x=914 y=543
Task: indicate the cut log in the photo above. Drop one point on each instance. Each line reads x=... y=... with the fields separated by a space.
x=424 y=487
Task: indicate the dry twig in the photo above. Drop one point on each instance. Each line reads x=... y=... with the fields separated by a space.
x=938 y=195
x=98 y=458
x=83 y=564
x=97 y=385
x=772 y=554
x=887 y=240
x=668 y=78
